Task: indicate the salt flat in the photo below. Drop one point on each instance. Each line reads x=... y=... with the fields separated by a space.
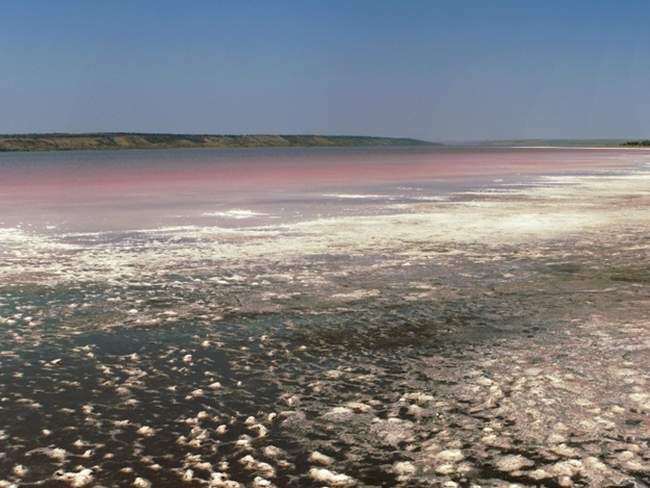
x=479 y=333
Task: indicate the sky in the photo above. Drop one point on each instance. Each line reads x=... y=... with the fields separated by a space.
x=433 y=69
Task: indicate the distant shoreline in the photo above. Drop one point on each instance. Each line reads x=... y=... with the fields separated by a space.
x=130 y=140
x=102 y=141
x=565 y=143
x=582 y=148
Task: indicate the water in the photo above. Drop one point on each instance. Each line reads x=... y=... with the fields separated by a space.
x=214 y=315
x=126 y=190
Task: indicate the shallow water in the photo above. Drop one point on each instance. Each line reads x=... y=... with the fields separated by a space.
x=124 y=190
x=148 y=298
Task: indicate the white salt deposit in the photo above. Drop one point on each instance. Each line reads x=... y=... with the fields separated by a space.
x=332 y=478
x=235 y=213
x=141 y=483
x=78 y=479
x=146 y=431
x=320 y=458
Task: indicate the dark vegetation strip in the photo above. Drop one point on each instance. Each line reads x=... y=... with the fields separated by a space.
x=130 y=140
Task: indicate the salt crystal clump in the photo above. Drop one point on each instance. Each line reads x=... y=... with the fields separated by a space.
x=220 y=480
x=320 y=458
x=260 y=429
x=198 y=393
x=416 y=410
x=141 y=483
x=450 y=456
x=146 y=431
x=336 y=480
x=333 y=374
x=203 y=466
x=80 y=479
x=392 y=431
x=359 y=407
x=569 y=468
x=253 y=464
x=273 y=452
x=445 y=469
x=262 y=483
x=56 y=453
x=404 y=469
x=339 y=414
x=538 y=474
x=513 y=462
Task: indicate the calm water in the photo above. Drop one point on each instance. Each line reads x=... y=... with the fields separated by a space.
x=124 y=190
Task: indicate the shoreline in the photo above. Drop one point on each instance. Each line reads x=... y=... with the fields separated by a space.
x=584 y=148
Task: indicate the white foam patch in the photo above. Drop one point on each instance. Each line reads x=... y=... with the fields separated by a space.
x=235 y=213
x=359 y=196
x=428 y=198
x=20 y=239
x=356 y=196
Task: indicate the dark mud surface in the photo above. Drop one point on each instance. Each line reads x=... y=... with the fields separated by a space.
x=500 y=366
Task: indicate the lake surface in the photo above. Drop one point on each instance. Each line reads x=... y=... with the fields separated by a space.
x=126 y=190
x=313 y=317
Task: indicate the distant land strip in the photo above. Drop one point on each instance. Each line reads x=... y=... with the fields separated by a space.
x=643 y=143
x=130 y=140
x=567 y=143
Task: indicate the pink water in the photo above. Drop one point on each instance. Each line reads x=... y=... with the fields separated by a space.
x=100 y=190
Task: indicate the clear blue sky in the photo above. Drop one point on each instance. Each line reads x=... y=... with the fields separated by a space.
x=439 y=70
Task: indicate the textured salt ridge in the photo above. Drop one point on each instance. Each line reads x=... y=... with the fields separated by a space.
x=512 y=216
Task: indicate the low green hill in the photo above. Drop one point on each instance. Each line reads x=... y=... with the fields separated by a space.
x=643 y=143
x=127 y=140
